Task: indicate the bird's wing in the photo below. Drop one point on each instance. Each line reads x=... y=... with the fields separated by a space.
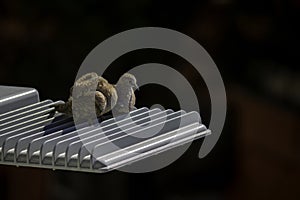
x=100 y=102
x=109 y=91
x=132 y=101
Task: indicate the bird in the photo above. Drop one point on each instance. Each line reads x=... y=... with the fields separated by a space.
x=126 y=97
x=89 y=88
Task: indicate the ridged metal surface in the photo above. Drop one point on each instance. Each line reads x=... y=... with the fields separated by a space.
x=36 y=136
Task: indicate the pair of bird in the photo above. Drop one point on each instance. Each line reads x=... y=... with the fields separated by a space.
x=119 y=98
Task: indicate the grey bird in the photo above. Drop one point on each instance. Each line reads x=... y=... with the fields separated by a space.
x=126 y=97
x=88 y=89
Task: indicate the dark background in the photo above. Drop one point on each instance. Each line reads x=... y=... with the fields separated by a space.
x=255 y=45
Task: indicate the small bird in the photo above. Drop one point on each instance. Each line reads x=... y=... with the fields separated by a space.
x=88 y=88
x=126 y=97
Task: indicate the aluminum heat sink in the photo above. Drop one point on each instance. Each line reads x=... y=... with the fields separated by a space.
x=33 y=134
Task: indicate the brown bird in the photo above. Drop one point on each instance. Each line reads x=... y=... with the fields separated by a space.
x=105 y=97
x=126 y=97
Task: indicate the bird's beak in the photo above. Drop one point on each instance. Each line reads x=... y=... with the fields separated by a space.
x=136 y=87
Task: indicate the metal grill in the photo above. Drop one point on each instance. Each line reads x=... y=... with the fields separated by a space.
x=34 y=135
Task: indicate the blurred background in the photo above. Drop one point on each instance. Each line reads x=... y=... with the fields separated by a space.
x=255 y=45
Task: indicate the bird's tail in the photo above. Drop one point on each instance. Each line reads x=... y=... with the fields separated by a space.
x=65 y=108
